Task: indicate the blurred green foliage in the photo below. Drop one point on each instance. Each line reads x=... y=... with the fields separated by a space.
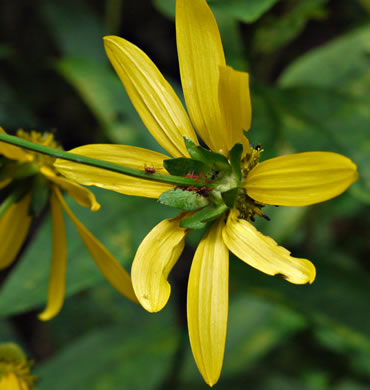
x=310 y=79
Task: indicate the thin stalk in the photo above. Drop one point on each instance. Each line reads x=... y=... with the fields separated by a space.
x=177 y=180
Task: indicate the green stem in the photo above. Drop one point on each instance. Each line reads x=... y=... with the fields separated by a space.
x=177 y=180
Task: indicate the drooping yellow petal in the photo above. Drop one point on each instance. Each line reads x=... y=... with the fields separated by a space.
x=112 y=270
x=10 y=382
x=263 y=253
x=235 y=104
x=207 y=303
x=301 y=179
x=81 y=195
x=14 y=152
x=57 y=280
x=129 y=156
x=154 y=99
x=200 y=55
x=154 y=259
x=14 y=226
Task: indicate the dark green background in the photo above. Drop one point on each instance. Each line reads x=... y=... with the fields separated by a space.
x=310 y=80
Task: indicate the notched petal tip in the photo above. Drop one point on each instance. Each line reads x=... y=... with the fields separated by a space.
x=263 y=253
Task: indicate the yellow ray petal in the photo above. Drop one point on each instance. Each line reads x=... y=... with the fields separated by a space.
x=14 y=226
x=154 y=99
x=10 y=381
x=263 y=253
x=200 y=54
x=113 y=271
x=129 y=156
x=81 y=195
x=207 y=303
x=154 y=259
x=57 y=280
x=301 y=179
x=235 y=104
x=14 y=152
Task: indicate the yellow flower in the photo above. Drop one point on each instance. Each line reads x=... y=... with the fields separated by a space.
x=29 y=173
x=218 y=102
x=14 y=369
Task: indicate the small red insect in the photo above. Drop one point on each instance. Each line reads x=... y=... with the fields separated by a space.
x=149 y=170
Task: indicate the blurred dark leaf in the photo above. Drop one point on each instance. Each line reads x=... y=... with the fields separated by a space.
x=13 y=114
x=104 y=94
x=6 y=51
x=245 y=11
x=114 y=358
x=338 y=295
x=312 y=118
x=255 y=327
x=76 y=29
x=342 y=64
x=277 y=31
x=102 y=91
x=26 y=287
x=365 y=4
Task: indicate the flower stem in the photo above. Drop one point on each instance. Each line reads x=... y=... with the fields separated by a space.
x=176 y=180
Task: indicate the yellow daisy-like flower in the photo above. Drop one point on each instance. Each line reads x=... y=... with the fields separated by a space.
x=234 y=186
x=34 y=177
x=14 y=369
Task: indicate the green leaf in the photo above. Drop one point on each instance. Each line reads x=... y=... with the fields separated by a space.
x=76 y=29
x=277 y=31
x=40 y=195
x=255 y=328
x=235 y=157
x=184 y=199
x=104 y=94
x=200 y=219
x=13 y=112
x=120 y=235
x=313 y=118
x=214 y=160
x=337 y=64
x=246 y=11
x=345 y=122
x=114 y=357
x=229 y=197
x=185 y=166
x=336 y=292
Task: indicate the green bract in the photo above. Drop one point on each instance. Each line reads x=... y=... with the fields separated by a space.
x=216 y=183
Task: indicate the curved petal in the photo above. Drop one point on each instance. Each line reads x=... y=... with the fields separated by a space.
x=200 y=54
x=81 y=195
x=14 y=152
x=263 y=253
x=14 y=226
x=10 y=381
x=112 y=270
x=154 y=259
x=58 y=267
x=235 y=105
x=129 y=156
x=301 y=179
x=154 y=99
x=208 y=301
